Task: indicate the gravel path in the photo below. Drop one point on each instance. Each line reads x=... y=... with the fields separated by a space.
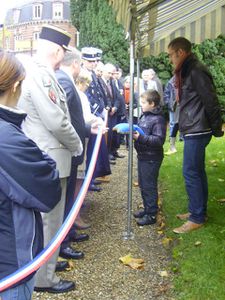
x=100 y=275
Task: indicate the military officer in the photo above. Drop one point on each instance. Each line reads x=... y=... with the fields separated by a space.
x=48 y=124
x=96 y=100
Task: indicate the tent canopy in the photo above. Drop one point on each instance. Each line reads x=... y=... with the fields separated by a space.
x=157 y=22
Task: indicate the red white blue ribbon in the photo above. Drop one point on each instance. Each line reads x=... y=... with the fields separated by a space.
x=47 y=252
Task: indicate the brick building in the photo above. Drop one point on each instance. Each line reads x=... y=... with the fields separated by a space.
x=23 y=23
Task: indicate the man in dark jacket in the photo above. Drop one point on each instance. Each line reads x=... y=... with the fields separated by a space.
x=199 y=119
x=70 y=68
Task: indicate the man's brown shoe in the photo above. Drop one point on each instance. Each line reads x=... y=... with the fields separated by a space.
x=187 y=227
x=183 y=216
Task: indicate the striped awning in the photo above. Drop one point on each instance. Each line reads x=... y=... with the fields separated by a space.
x=157 y=21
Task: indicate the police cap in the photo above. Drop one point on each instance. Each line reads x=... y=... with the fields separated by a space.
x=98 y=53
x=89 y=53
x=55 y=35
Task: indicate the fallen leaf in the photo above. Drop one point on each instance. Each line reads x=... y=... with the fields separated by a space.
x=212 y=161
x=134 y=263
x=71 y=265
x=166 y=242
x=163 y=274
x=198 y=243
x=159 y=202
x=136 y=266
x=221 y=200
x=162 y=225
x=160 y=232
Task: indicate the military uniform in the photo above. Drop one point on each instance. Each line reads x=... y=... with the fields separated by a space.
x=48 y=124
x=97 y=104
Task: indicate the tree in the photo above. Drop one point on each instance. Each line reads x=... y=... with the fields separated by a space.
x=96 y=22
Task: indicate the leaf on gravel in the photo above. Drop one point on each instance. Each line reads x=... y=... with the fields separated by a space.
x=162 y=226
x=166 y=242
x=160 y=232
x=71 y=265
x=221 y=200
x=163 y=274
x=134 y=263
x=198 y=243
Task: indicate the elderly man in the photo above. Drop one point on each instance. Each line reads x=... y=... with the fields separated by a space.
x=68 y=72
x=48 y=124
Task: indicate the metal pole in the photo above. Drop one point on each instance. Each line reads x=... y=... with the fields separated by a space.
x=138 y=87
x=128 y=234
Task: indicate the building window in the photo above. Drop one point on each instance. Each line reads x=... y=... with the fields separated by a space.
x=57 y=10
x=35 y=36
x=16 y=15
x=37 y=11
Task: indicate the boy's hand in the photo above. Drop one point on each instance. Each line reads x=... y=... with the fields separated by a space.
x=135 y=135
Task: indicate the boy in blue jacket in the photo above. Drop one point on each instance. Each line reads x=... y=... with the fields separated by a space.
x=149 y=147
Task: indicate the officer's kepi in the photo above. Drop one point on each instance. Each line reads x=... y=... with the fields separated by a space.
x=89 y=53
x=55 y=35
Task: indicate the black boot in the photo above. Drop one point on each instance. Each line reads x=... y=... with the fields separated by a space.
x=147 y=220
x=139 y=214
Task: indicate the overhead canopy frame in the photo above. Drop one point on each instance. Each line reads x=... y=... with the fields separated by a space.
x=159 y=21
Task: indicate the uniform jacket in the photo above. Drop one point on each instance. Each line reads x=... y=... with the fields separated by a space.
x=105 y=92
x=29 y=184
x=95 y=96
x=48 y=120
x=199 y=107
x=75 y=110
x=150 y=145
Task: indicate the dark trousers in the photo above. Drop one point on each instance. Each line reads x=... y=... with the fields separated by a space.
x=102 y=167
x=148 y=172
x=195 y=176
x=70 y=192
x=113 y=142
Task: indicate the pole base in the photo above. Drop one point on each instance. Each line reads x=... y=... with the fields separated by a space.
x=127 y=235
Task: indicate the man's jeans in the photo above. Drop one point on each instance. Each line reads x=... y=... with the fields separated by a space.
x=21 y=292
x=148 y=172
x=195 y=176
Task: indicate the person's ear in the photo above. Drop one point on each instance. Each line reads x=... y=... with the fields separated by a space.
x=181 y=52
x=15 y=86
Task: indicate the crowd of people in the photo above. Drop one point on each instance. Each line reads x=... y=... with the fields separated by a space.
x=51 y=107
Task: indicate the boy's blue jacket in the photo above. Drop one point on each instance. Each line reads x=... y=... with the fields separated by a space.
x=29 y=184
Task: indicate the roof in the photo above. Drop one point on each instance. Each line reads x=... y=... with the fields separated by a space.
x=156 y=22
x=25 y=7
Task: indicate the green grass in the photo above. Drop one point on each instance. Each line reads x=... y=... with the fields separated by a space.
x=199 y=271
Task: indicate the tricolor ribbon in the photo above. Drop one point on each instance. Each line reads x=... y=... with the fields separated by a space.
x=47 y=252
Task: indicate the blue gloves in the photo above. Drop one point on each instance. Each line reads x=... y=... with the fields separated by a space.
x=123 y=128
